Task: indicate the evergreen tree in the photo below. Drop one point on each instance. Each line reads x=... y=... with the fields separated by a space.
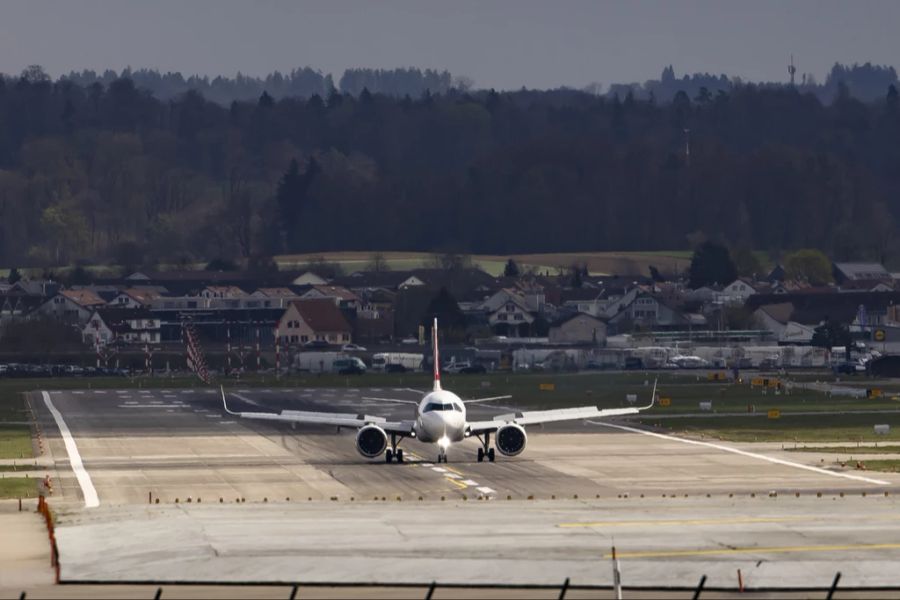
x=511 y=269
x=288 y=198
x=891 y=101
x=711 y=264
x=831 y=334
x=265 y=100
x=14 y=276
x=451 y=320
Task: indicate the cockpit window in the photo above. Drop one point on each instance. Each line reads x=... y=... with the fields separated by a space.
x=439 y=406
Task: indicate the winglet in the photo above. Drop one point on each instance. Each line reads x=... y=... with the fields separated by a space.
x=652 y=396
x=225 y=404
x=437 y=360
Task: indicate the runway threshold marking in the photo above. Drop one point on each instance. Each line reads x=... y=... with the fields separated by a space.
x=682 y=522
x=760 y=550
x=771 y=459
x=91 y=500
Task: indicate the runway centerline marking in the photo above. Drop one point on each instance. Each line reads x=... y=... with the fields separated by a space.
x=760 y=550
x=458 y=484
x=91 y=500
x=771 y=459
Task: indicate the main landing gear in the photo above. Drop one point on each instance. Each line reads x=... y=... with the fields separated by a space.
x=485 y=450
x=394 y=452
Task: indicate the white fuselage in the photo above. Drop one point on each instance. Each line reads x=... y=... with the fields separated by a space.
x=441 y=418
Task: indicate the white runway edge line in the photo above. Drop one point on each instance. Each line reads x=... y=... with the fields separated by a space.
x=770 y=459
x=84 y=480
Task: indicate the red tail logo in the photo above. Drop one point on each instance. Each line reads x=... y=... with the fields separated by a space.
x=437 y=360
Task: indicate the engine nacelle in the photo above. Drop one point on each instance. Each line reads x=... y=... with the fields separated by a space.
x=511 y=439
x=371 y=441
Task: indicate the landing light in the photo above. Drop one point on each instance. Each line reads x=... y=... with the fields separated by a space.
x=444 y=442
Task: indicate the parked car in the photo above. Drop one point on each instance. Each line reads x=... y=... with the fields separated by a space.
x=476 y=368
x=349 y=366
x=352 y=348
x=394 y=368
x=315 y=344
x=633 y=362
x=409 y=341
x=848 y=368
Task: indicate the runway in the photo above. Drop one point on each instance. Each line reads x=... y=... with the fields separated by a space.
x=776 y=542
x=187 y=492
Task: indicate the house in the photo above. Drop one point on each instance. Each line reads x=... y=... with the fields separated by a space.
x=649 y=312
x=844 y=272
x=531 y=296
x=774 y=317
x=71 y=306
x=137 y=297
x=388 y=280
x=578 y=328
x=274 y=297
x=513 y=318
x=739 y=290
x=127 y=325
x=222 y=291
x=376 y=303
x=341 y=296
x=19 y=299
x=313 y=320
x=586 y=300
x=308 y=278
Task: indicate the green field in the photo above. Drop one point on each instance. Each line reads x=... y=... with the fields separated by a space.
x=598 y=263
x=18 y=487
x=887 y=466
x=815 y=428
x=15 y=436
x=854 y=450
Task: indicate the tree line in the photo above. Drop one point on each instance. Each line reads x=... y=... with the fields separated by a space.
x=112 y=173
x=301 y=82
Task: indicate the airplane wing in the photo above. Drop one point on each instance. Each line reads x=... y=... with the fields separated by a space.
x=324 y=418
x=491 y=399
x=393 y=400
x=536 y=417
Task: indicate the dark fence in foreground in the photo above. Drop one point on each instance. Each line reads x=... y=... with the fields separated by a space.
x=293 y=591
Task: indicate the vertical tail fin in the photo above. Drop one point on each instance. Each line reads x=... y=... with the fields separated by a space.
x=437 y=360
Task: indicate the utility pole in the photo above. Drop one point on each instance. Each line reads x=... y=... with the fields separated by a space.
x=792 y=70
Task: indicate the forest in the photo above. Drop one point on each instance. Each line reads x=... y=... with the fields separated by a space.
x=110 y=173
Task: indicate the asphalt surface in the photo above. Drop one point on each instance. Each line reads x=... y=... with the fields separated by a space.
x=188 y=492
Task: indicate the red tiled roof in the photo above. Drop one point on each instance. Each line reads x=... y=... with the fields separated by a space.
x=322 y=315
x=84 y=297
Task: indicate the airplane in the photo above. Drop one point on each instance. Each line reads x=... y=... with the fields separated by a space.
x=440 y=418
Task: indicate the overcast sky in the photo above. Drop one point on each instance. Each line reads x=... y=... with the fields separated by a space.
x=501 y=43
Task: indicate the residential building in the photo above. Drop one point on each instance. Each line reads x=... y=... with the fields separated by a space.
x=313 y=320
x=122 y=325
x=578 y=328
x=71 y=306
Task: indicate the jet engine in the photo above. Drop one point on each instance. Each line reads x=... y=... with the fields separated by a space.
x=371 y=441
x=511 y=439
